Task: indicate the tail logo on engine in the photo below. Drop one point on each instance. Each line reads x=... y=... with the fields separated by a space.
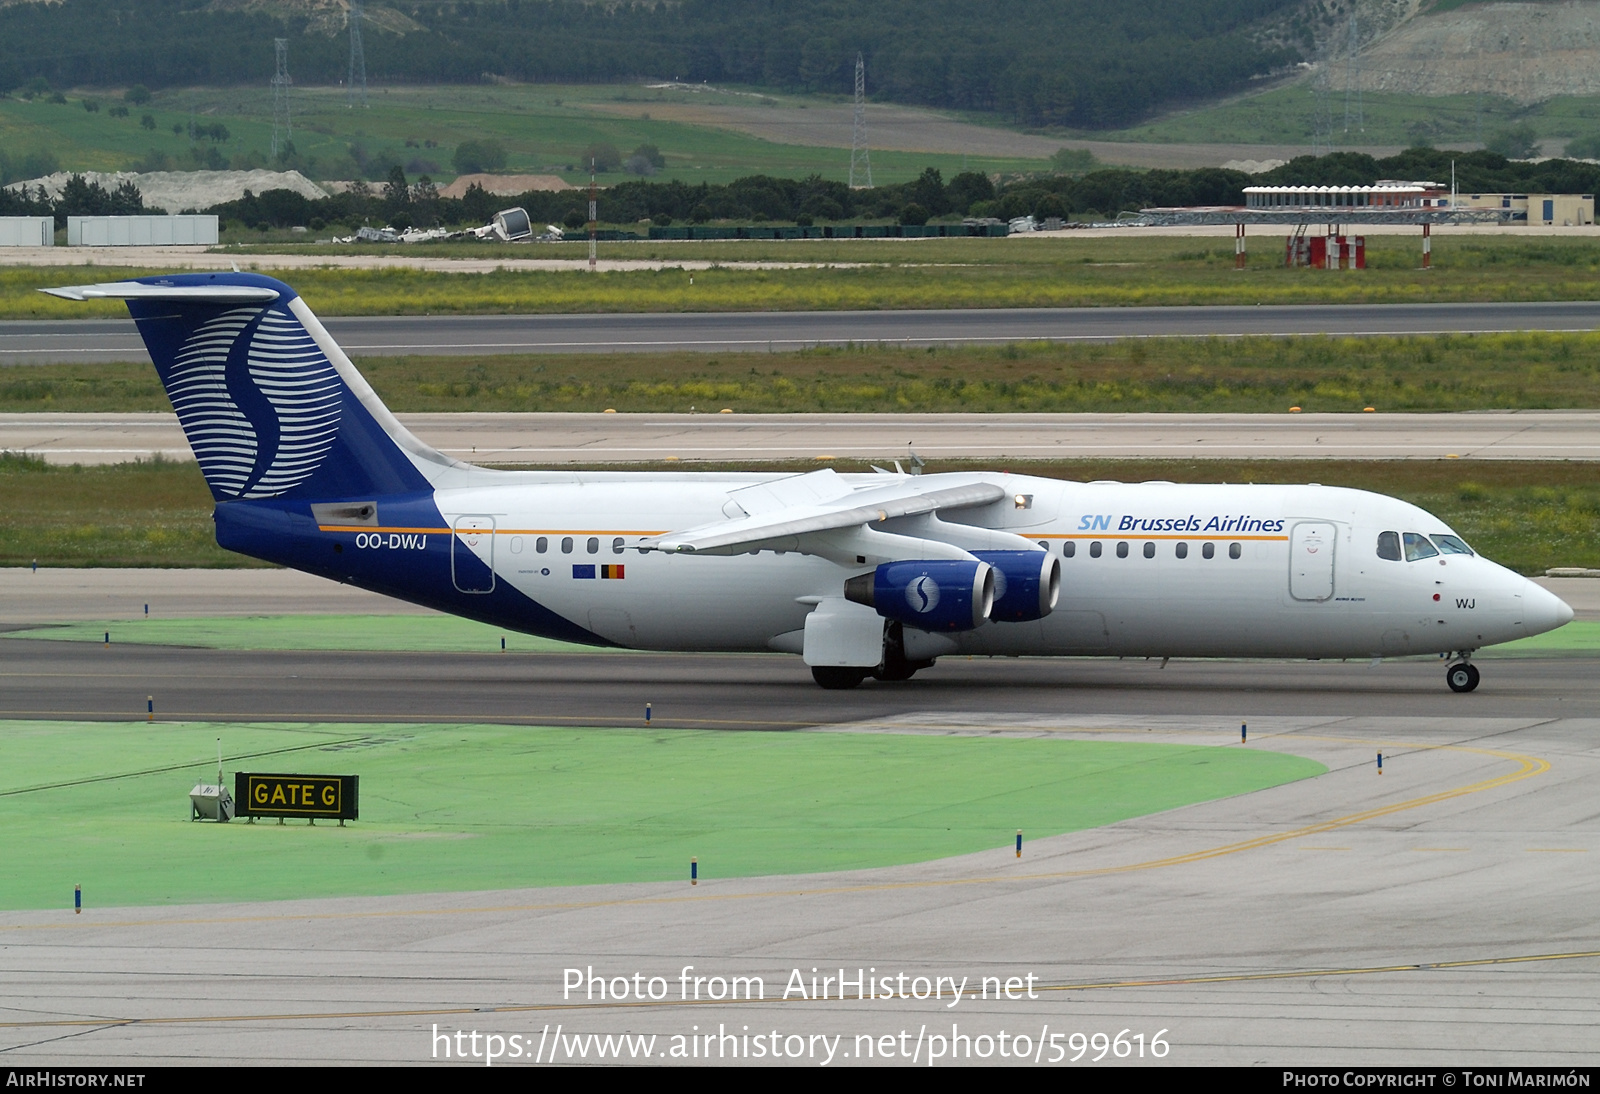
x=923 y=594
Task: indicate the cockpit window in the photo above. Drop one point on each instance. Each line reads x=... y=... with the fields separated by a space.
x=1417 y=546
x=1389 y=546
x=1451 y=545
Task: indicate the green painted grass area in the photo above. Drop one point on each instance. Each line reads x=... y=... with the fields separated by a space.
x=1580 y=638
x=420 y=633
x=462 y=807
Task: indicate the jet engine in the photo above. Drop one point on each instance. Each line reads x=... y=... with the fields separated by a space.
x=932 y=595
x=1026 y=584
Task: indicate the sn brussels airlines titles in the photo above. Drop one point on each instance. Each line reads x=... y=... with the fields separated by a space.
x=861 y=575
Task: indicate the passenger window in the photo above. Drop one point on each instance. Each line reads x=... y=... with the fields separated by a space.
x=566 y=545
x=1122 y=549
x=1149 y=550
x=1209 y=550
x=1181 y=550
x=1389 y=546
x=1418 y=547
x=1235 y=550
x=594 y=545
x=1094 y=549
x=1451 y=545
x=616 y=546
x=516 y=545
x=542 y=544
x=1069 y=548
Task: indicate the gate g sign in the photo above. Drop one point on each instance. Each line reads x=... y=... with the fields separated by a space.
x=331 y=796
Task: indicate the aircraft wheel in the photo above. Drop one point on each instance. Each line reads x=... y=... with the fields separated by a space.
x=1461 y=677
x=896 y=670
x=837 y=679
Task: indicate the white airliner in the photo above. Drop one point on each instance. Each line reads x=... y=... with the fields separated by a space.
x=861 y=575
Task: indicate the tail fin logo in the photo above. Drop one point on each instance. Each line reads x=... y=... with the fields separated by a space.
x=258 y=399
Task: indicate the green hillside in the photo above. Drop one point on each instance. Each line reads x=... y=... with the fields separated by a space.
x=1038 y=62
x=542 y=129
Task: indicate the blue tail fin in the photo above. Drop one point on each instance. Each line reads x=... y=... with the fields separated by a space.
x=271 y=405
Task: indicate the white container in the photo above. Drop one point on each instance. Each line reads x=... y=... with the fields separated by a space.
x=27 y=231
x=141 y=231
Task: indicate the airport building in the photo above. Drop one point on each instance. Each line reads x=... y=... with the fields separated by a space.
x=1396 y=195
x=1548 y=210
x=1383 y=194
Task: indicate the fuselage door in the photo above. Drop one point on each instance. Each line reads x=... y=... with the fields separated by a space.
x=472 y=554
x=1311 y=548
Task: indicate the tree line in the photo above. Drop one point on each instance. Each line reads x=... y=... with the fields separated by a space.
x=1103 y=194
x=1087 y=63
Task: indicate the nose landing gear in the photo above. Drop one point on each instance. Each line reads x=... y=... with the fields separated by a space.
x=1461 y=676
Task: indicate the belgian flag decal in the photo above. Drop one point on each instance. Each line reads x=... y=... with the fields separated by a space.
x=611 y=572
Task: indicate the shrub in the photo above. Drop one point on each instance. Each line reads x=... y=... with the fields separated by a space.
x=603 y=155
x=1516 y=142
x=472 y=157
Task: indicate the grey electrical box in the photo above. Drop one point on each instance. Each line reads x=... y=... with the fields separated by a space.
x=209 y=802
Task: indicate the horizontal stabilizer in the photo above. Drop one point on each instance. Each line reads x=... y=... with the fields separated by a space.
x=194 y=294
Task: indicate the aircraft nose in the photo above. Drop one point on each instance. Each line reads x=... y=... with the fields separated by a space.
x=1543 y=610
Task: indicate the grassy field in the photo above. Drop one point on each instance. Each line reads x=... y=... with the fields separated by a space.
x=1527 y=515
x=461 y=807
x=1285 y=115
x=935 y=273
x=543 y=128
x=1267 y=375
x=132 y=514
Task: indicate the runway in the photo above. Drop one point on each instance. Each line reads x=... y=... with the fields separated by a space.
x=622 y=438
x=44 y=679
x=65 y=341
x=1440 y=913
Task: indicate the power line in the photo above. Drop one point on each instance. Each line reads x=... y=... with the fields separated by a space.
x=1352 y=76
x=858 y=136
x=356 y=86
x=1321 y=113
x=280 y=100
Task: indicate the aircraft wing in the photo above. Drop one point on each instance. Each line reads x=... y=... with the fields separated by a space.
x=788 y=528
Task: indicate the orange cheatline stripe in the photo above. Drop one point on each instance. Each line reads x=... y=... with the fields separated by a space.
x=384 y=528
x=493 y=531
x=1140 y=535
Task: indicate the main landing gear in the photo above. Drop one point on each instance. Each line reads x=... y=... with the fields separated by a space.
x=895 y=666
x=1461 y=676
x=837 y=679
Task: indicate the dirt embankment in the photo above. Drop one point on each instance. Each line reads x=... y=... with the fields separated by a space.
x=1527 y=52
